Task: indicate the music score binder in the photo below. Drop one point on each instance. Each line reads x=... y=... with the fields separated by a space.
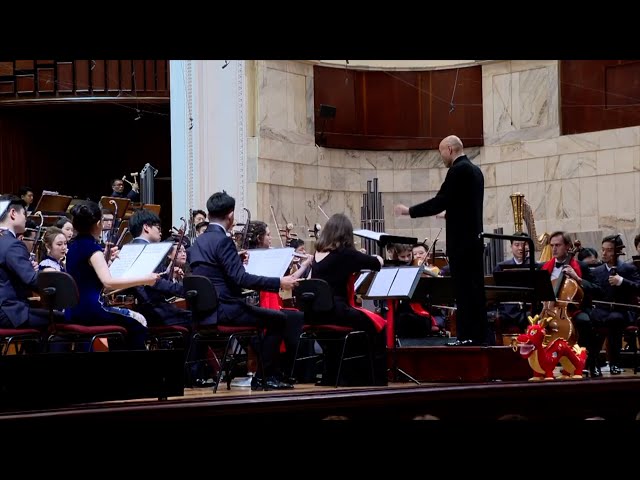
x=53 y=204
x=269 y=262
x=137 y=259
x=123 y=204
x=395 y=282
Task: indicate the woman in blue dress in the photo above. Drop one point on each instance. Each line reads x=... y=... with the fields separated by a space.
x=86 y=263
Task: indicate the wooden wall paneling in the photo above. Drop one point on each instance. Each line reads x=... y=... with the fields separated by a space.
x=65 y=77
x=113 y=75
x=97 y=69
x=25 y=83
x=126 y=79
x=149 y=76
x=398 y=110
x=161 y=75
x=7 y=87
x=6 y=69
x=599 y=95
x=81 y=70
x=138 y=75
x=24 y=64
x=46 y=82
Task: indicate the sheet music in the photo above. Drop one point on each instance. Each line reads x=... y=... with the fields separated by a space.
x=369 y=234
x=404 y=281
x=137 y=259
x=363 y=276
x=382 y=282
x=3 y=206
x=269 y=262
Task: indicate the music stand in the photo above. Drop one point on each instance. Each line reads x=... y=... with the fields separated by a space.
x=123 y=204
x=518 y=284
x=383 y=239
x=152 y=207
x=50 y=204
x=393 y=284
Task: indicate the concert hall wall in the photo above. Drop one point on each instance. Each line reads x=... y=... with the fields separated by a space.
x=76 y=149
x=568 y=179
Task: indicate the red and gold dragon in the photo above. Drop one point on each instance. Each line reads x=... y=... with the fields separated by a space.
x=543 y=359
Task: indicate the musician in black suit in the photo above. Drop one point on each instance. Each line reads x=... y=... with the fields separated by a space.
x=620 y=282
x=214 y=255
x=18 y=276
x=512 y=313
x=117 y=185
x=144 y=226
x=462 y=196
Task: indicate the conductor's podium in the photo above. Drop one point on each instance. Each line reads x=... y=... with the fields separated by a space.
x=462 y=364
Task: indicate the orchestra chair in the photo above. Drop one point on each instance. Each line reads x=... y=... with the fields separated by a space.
x=314 y=298
x=17 y=337
x=59 y=291
x=167 y=335
x=202 y=300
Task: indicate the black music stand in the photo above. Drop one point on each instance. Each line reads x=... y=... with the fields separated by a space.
x=523 y=285
x=383 y=239
x=393 y=284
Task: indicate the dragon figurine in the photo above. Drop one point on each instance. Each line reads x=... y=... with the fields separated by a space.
x=543 y=359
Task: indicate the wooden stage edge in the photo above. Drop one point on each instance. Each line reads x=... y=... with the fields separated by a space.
x=610 y=398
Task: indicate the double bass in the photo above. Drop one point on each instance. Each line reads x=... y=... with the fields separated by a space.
x=568 y=293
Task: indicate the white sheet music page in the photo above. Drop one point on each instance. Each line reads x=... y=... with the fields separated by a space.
x=382 y=282
x=364 y=233
x=403 y=282
x=269 y=262
x=139 y=259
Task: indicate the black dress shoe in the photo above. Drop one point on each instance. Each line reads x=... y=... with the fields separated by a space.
x=595 y=372
x=462 y=343
x=615 y=370
x=271 y=383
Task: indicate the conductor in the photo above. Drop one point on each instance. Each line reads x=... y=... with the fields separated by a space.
x=462 y=196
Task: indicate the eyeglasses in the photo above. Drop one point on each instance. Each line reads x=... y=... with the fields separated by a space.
x=157 y=225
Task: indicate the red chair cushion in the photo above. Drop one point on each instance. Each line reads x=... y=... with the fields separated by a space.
x=89 y=330
x=12 y=332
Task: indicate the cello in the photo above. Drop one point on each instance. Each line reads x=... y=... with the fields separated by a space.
x=567 y=292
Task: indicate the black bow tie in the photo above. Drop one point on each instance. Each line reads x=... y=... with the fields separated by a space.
x=559 y=265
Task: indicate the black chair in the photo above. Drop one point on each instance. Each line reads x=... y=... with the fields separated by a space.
x=202 y=300
x=59 y=291
x=315 y=298
x=163 y=335
x=20 y=336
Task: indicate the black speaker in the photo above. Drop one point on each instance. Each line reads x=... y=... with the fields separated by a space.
x=327 y=111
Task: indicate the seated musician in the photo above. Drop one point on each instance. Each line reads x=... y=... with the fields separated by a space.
x=153 y=303
x=86 y=263
x=55 y=243
x=18 y=276
x=589 y=256
x=619 y=283
x=107 y=225
x=201 y=228
x=562 y=262
x=636 y=244
x=336 y=260
x=64 y=224
x=414 y=319
x=117 y=185
x=29 y=235
x=512 y=315
x=26 y=194
x=214 y=255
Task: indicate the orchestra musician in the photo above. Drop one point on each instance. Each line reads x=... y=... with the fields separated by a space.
x=619 y=283
x=117 y=185
x=86 y=263
x=55 y=243
x=26 y=194
x=64 y=224
x=144 y=226
x=214 y=255
x=18 y=276
x=336 y=260
x=562 y=262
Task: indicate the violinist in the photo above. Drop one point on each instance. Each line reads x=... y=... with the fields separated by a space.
x=564 y=264
x=153 y=300
x=619 y=283
x=215 y=256
x=18 y=277
x=589 y=256
x=420 y=254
